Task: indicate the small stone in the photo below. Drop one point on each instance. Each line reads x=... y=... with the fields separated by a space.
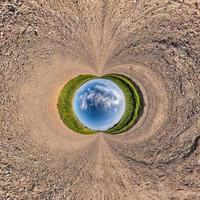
x=36 y=32
x=21 y=190
x=12 y=8
x=197 y=5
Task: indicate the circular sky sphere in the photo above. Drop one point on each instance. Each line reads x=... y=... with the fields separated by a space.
x=99 y=104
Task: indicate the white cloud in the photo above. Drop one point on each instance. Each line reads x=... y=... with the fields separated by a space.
x=100 y=95
x=83 y=102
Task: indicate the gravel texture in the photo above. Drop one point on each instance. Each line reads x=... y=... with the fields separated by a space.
x=45 y=43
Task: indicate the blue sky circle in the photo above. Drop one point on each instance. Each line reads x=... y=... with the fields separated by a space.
x=99 y=104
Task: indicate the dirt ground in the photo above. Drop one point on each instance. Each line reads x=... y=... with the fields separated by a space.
x=44 y=43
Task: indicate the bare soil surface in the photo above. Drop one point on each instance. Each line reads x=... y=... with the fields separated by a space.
x=44 y=43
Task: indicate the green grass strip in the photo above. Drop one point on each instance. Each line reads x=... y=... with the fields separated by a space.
x=65 y=104
x=134 y=103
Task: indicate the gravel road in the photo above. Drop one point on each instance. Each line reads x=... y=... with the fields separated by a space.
x=45 y=43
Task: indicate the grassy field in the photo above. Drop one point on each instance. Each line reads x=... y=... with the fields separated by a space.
x=134 y=103
x=65 y=104
x=133 y=98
